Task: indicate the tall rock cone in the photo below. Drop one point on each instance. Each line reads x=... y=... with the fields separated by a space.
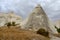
x=37 y=19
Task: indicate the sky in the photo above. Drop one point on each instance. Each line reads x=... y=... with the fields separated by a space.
x=24 y=7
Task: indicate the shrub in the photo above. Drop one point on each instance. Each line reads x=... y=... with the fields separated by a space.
x=58 y=29
x=13 y=24
x=43 y=32
x=8 y=24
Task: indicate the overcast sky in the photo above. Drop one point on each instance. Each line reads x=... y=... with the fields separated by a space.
x=24 y=7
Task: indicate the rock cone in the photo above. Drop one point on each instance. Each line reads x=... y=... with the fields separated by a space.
x=37 y=19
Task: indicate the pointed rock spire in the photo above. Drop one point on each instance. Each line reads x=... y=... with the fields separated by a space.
x=38 y=19
x=38 y=10
x=38 y=6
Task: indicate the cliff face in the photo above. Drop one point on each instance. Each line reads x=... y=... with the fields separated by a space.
x=9 y=17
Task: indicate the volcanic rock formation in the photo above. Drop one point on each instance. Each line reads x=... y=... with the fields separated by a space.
x=38 y=19
x=9 y=17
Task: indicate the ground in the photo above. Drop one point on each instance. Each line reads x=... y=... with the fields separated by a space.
x=19 y=34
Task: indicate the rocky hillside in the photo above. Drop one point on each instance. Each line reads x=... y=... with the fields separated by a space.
x=9 y=17
x=19 y=34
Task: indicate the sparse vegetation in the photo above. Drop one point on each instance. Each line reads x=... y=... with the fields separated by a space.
x=19 y=34
x=13 y=24
x=43 y=32
x=58 y=29
x=8 y=24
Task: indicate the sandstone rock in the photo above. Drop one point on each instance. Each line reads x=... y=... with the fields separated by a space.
x=38 y=19
x=9 y=17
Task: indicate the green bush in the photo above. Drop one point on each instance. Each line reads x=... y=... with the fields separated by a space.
x=8 y=24
x=43 y=32
x=13 y=24
x=58 y=29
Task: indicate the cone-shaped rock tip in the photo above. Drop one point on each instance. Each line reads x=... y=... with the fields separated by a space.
x=38 y=6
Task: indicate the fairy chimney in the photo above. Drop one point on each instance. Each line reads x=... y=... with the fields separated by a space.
x=37 y=19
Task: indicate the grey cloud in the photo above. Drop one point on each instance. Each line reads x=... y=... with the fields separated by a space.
x=24 y=7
